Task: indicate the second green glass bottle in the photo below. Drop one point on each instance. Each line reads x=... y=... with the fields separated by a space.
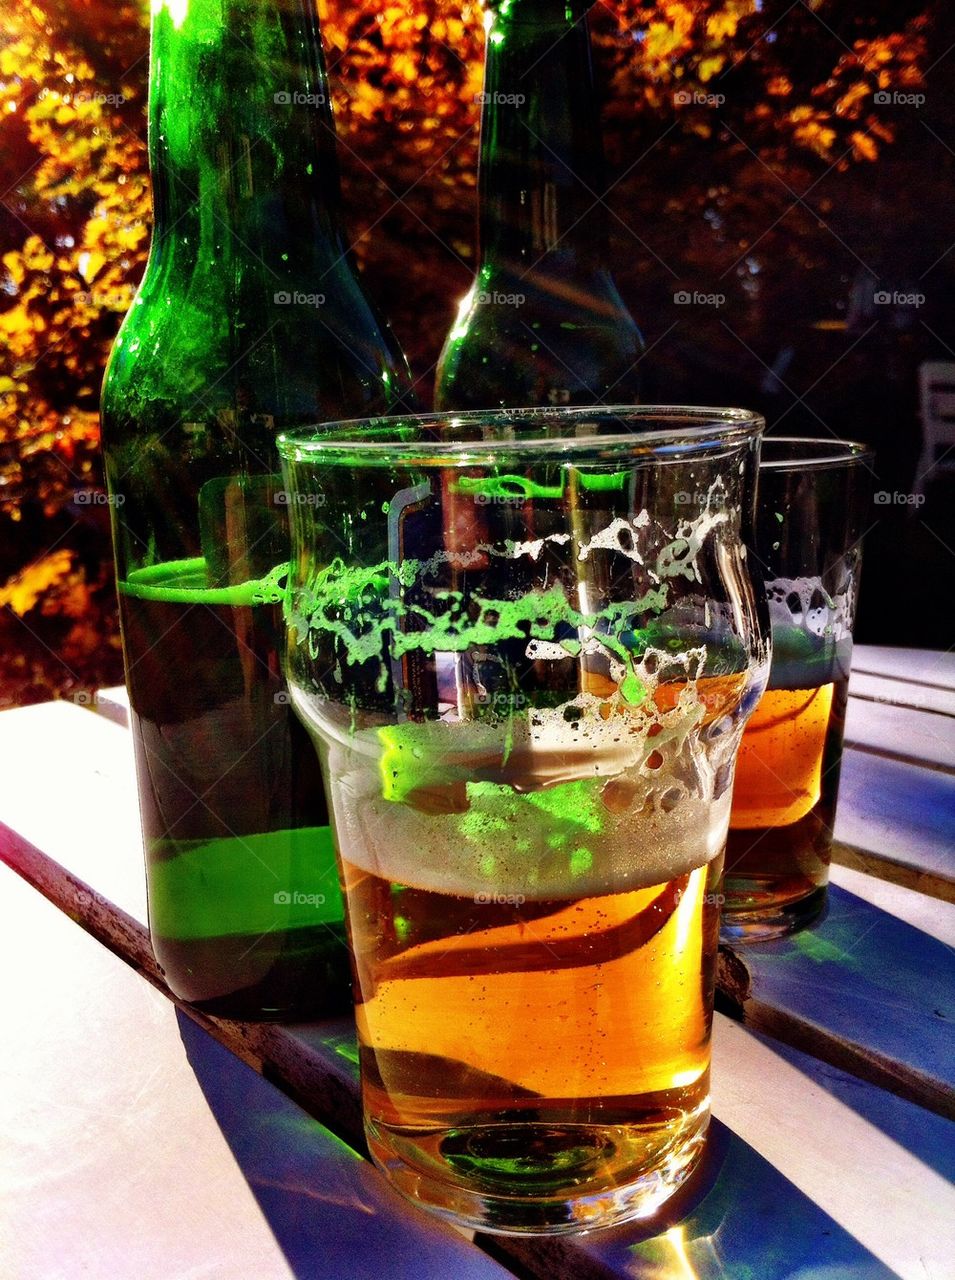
x=543 y=322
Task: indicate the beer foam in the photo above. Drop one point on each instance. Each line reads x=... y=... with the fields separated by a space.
x=588 y=798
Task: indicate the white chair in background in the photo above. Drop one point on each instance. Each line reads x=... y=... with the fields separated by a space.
x=937 y=411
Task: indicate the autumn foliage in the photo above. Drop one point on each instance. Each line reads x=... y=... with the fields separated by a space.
x=715 y=112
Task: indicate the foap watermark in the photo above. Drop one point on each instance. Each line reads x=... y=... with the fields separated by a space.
x=97 y=498
x=709 y=899
x=883 y=98
x=503 y=701
x=486 y=898
x=883 y=298
x=283 y=498
x=87 y=898
x=106 y=300
x=500 y=99
x=698 y=498
x=298 y=98
x=295 y=898
x=683 y=298
x=883 y=498
x=496 y=299
x=88 y=698
x=294 y=298
x=697 y=98
x=499 y=499
x=82 y=96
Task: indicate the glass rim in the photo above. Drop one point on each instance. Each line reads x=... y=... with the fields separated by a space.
x=820 y=452
x=683 y=430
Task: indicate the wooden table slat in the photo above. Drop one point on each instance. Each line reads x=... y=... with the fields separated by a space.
x=932 y=667
x=900 y=693
x=924 y=738
x=897 y=814
x=861 y=990
x=315 y=1064
x=184 y=1161
x=738 y=1218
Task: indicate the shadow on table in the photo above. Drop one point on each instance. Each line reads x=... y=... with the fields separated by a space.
x=921 y=1132
x=863 y=991
x=330 y=1212
x=738 y=1218
x=333 y=1215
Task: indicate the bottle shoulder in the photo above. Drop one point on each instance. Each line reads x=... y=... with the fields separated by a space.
x=297 y=353
x=524 y=343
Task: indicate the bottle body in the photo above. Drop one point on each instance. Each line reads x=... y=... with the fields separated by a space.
x=250 y=319
x=543 y=323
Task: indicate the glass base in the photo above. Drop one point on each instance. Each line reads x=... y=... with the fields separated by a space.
x=527 y=1178
x=764 y=921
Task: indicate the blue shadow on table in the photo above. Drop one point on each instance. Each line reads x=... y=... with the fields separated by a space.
x=737 y=1219
x=862 y=990
x=905 y=812
x=925 y=1135
x=333 y=1215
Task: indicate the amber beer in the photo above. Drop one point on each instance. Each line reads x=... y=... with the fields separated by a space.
x=483 y=1017
x=787 y=781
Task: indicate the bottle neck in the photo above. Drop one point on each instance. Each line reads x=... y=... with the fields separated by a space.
x=541 y=159
x=241 y=137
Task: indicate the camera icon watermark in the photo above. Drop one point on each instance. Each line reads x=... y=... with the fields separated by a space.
x=294 y=298
x=295 y=898
x=883 y=298
x=883 y=498
x=883 y=98
x=684 y=298
x=488 y=899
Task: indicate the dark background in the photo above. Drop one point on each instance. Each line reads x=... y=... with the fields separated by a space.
x=787 y=163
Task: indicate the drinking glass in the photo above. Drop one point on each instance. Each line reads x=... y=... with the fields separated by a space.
x=525 y=644
x=812 y=510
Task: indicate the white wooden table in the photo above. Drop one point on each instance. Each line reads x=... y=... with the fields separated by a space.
x=143 y=1141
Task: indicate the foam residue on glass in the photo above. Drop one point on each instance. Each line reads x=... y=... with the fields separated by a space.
x=812 y=630
x=626 y=780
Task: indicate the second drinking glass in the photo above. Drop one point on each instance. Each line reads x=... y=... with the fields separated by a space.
x=813 y=508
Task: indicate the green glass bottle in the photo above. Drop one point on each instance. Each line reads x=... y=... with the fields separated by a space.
x=250 y=319
x=543 y=322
